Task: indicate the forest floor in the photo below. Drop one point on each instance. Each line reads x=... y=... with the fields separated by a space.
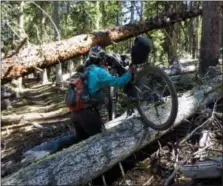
x=18 y=137
x=22 y=135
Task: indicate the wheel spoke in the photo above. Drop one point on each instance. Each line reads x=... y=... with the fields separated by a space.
x=153 y=90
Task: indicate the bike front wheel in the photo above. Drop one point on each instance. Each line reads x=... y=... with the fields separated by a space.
x=157 y=98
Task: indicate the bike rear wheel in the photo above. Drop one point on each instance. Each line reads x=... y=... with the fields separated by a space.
x=157 y=98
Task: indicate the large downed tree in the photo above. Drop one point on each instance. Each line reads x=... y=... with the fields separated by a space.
x=32 y=57
x=85 y=161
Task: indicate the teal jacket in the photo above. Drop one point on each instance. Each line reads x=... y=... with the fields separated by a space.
x=98 y=78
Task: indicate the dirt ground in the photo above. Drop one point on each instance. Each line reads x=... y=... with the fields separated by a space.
x=18 y=137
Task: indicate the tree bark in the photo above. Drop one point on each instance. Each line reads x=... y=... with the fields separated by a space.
x=59 y=74
x=209 y=53
x=98 y=16
x=195 y=38
x=44 y=76
x=21 y=19
x=56 y=20
x=50 y=54
x=70 y=67
x=132 y=10
x=86 y=160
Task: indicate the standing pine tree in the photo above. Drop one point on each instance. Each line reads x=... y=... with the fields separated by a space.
x=209 y=53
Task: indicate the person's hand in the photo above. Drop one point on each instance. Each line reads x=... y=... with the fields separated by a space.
x=132 y=69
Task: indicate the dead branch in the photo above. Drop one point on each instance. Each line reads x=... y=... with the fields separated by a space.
x=18 y=47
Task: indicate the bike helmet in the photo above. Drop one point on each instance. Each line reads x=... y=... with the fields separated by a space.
x=96 y=55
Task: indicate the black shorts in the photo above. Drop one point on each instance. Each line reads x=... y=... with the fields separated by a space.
x=86 y=122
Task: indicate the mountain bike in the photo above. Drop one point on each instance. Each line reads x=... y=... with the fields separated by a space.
x=156 y=97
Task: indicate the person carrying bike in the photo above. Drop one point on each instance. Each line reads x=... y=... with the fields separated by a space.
x=150 y=99
x=89 y=121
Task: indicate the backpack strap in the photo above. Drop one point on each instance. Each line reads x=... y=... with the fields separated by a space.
x=87 y=69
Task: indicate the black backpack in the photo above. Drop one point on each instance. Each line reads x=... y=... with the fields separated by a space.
x=141 y=49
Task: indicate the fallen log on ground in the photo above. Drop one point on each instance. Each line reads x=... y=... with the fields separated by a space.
x=181 y=69
x=32 y=57
x=210 y=168
x=14 y=118
x=86 y=160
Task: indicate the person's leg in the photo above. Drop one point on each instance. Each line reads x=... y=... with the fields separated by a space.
x=92 y=122
x=77 y=121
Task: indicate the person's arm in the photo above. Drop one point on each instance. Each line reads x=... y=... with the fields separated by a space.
x=106 y=79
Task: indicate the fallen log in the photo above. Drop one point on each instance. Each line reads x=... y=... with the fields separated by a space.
x=181 y=69
x=14 y=118
x=27 y=60
x=210 y=168
x=86 y=160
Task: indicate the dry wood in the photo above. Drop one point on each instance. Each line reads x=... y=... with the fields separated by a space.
x=14 y=118
x=86 y=160
x=168 y=180
x=50 y=54
x=180 y=69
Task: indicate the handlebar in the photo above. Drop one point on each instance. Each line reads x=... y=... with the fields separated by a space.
x=121 y=59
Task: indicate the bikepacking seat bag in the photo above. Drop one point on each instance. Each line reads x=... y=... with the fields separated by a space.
x=77 y=96
x=141 y=49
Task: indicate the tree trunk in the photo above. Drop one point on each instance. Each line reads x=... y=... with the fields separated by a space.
x=42 y=25
x=118 y=15
x=221 y=27
x=132 y=10
x=195 y=38
x=190 y=36
x=98 y=15
x=59 y=74
x=141 y=10
x=56 y=20
x=104 y=15
x=44 y=77
x=209 y=52
x=70 y=67
x=50 y=54
x=18 y=83
x=21 y=19
x=86 y=160
x=6 y=96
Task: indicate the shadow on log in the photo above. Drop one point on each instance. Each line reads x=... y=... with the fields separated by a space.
x=85 y=161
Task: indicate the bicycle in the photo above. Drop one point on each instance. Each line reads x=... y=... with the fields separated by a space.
x=155 y=92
